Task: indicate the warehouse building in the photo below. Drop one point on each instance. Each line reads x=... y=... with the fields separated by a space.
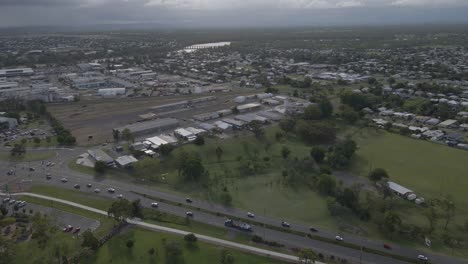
x=109 y=92
x=169 y=107
x=16 y=72
x=248 y=107
x=125 y=161
x=99 y=155
x=150 y=127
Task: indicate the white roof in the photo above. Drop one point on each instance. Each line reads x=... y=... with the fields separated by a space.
x=183 y=132
x=398 y=188
x=222 y=125
x=126 y=160
x=195 y=131
x=157 y=141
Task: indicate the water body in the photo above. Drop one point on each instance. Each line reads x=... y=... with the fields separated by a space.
x=205 y=46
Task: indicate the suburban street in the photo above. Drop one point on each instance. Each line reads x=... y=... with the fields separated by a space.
x=24 y=178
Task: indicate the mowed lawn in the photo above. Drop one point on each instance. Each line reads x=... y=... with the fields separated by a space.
x=429 y=169
x=115 y=250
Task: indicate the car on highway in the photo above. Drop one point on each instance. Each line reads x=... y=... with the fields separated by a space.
x=48 y=176
x=387 y=246
x=11 y=172
x=188 y=200
x=250 y=215
x=338 y=238
x=423 y=258
x=6 y=200
x=31 y=169
x=89 y=185
x=64 y=180
x=111 y=190
x=313 y=229
x=76 y=186
x=120 y=196
x=189 y=214
x=97 y=190
x=285 y=224
x=154 y=205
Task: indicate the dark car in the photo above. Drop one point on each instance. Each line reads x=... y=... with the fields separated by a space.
x=189 y=214
x=313 y=229
x=76 y=186
x=387 y=246
x=89 y=185
x=188 y=200
x=48 y=176
x=285 y=224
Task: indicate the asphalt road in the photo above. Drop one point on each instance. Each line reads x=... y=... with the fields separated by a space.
x=125 y=188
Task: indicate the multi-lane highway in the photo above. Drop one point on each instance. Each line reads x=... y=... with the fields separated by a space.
x=131 y=190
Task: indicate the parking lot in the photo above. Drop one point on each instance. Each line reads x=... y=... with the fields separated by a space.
x=58 y=217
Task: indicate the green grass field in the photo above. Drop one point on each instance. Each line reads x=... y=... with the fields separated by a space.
x=430 y=170
x=115 y=250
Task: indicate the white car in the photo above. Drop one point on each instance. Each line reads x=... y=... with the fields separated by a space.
x=97 y=190
x=154 y=204
x=111 y=190
x=423 y=258
x=64 y=180
x=190 y=214
x=120 y=196
x=338 y=238
x=251 y=215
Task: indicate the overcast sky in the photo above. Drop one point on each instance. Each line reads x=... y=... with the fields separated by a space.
x=230 y=13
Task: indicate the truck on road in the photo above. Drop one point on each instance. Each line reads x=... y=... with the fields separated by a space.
x=241 y=226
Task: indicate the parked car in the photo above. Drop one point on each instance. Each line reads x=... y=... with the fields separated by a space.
x=64 y=180
x=77 y=230
x=6 y=200
x=48 y=176
x=338 y=238
x=97 y=190
x=76 y=186
x=251 y=215
x=89 y=185
x=423 y=258
x=188 y=200
x=68 y=228
x=189 y=214
x=285 y=224
x=11 y=201
x=21 y=204
x=154 y=205
x=11 y=172
x=313 y=229
x=111 y=190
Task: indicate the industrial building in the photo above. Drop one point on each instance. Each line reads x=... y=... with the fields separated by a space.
x=125 y=161
x=109 y=92
x=16 y=72
x=248 y=107
x=6 y=122
x=89 y=82
x=185 y=134
x=150 y=127
x=169 y=107
x=99 y=155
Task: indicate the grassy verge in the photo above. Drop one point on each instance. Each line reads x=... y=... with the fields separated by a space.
x=116 y=251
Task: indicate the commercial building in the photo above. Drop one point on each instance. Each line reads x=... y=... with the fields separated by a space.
x=107 y=92
x=150 y=127
x=99 y=155
x=16 y=72
x=6 y=122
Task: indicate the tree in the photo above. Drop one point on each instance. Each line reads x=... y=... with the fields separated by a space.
x=326 y=107
x=7 y=251
x=392 y=222
x=89 y=240
x=219 y=152
x=190 y=238
x=152 y=252
x=285 y=151
x=166 y=149
x=257 y=129
x=342 y=153
x=287 y=124
x=326 y=185
x=312 y=112
x=226 y=198
x=226 y=257
x=307 y=256
x=448 y=208
x=120 y=210
x=137 y=209
x=127 y=135
x=190 y=166
x=316 y=131
x=348 y=114
x=36 y=140
x=116 y=135
x=318 y=154
x=41 y=227
x=199 y=141
x=173 y=252
x=130 y=244
x=377 y=174
x=18 y=150
x=100 y=166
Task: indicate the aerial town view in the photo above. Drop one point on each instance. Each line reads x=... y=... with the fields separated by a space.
x=282 y=131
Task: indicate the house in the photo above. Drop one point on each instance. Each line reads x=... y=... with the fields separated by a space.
x=125 y=161
x=401 y=191
x=449 y=123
